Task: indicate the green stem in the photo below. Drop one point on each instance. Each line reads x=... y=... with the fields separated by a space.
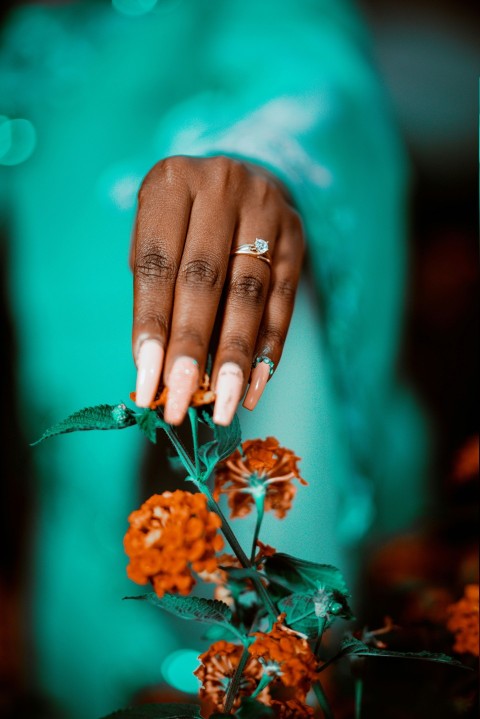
x=322 y=621
x=193 y=417
x=235 y=681
x=358 y=698
x=260 y=505
x=317 y=687
x=239 y=553
x=322 y=700
x=181 y=451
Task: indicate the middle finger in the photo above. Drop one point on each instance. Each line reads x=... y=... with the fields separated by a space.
x=198 y=289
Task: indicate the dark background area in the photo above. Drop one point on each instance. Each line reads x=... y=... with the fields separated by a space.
x=429 y=55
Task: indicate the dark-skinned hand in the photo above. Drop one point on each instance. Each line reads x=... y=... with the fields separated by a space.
x=192 y=213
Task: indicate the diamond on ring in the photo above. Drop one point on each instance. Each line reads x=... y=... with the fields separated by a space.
x=258 y=249
x=261 y=246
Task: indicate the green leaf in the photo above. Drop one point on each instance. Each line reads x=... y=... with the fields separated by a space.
x=253 y=709
x=300 y=576
x=352 y=646
x=158 y=711
x=210 y=611
x=226 y=441
x=103 y=416
x=228 y=438
x=215 y=632
x=149 y=422
x=304 y=611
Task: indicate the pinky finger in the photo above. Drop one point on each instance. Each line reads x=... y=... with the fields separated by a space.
x=287 y=264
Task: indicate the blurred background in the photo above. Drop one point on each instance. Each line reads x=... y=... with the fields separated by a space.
x=429 y=56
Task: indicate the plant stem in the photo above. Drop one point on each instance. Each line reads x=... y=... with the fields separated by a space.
x=235 y=681
x=317 y=687
x=322 y=621
x=193 y=417
x=358 y=698
x=322 y=700
x=181 y=451
x=260 y=505
x=239 y=553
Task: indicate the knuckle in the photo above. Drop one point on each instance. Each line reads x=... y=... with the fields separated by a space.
x=168 y=171
x=249 y=288
x=272 y=337
x=226 y=173
x=201 y=273
x=238 y=345
x=171 y=170
x=155 y=264
x=284 y=289
x=295 y=229
x=263 y=189
x=190 y=336
x=155 y=323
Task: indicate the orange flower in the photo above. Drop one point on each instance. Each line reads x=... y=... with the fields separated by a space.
x=264 y=469
x=217 y=667
x=292 y=709
x=171 y=534
x=287 y=655
x=203 y=395
x=463 y=621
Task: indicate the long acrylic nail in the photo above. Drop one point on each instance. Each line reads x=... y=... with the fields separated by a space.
x=259 y=380
x=149 y=367
x=228 y=390
x=182 y=383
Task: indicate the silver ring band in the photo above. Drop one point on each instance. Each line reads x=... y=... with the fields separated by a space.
x=259 y=249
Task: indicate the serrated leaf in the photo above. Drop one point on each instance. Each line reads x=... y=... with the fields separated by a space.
x=226 y=441
x=210 y=611
x=228 y=438
x=302 y=577
x=149 y=422
x=305 y=611
x=353 y=646
x=158 y=711
x=103 y=416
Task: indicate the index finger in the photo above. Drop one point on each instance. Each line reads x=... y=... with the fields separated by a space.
x=160 y=231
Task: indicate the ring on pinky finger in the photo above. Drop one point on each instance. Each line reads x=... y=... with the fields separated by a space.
x=266 y=360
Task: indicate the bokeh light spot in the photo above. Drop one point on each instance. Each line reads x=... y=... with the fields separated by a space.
x=17 y=140
x=134 y=8
x=177 y=670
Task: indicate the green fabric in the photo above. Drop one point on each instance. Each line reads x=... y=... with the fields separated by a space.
x=288 y=85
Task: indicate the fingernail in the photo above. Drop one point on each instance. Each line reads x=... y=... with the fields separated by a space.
x=228 y=390
x=259 y=380
x=149 y=366
x=182 y=383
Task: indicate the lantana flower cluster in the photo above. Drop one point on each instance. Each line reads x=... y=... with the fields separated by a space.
x=171 y=534
x=281 y=654
x=263 y=469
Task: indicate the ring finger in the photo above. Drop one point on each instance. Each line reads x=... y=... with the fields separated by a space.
x=247 y=286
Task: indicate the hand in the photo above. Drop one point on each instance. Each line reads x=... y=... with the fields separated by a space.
x=191 y=213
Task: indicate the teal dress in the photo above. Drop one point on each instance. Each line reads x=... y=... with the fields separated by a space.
x=90 y=98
